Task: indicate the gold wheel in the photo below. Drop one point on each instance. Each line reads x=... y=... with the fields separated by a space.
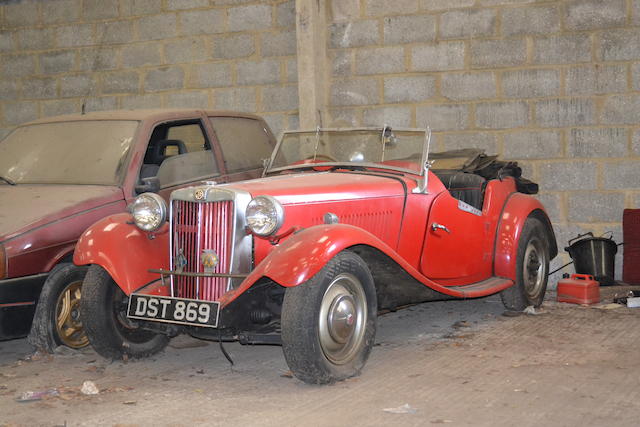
x=68 y=325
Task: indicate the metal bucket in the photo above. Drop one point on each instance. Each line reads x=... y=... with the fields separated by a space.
x=594 y=256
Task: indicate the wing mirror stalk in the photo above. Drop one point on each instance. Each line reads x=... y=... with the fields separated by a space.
x=149 y=185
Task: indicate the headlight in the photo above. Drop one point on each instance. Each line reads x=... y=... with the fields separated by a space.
x=149 y=211
x=265 y=215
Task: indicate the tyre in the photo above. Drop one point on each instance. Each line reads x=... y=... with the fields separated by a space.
x=57 y=319
x=329 y=322
x=103 y=310
x=531 y=269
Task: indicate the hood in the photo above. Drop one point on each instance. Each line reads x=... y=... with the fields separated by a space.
x=24 y=207
x=323 y=186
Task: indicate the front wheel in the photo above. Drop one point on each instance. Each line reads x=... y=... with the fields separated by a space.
x=329 y=322
x=532 y=268
x=104 y=313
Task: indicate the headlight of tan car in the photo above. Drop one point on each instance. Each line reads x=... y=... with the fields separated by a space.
x=264 y=215
x=149 y=211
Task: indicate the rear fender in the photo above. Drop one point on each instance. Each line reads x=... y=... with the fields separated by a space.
x=124 y=251
x=518 y=208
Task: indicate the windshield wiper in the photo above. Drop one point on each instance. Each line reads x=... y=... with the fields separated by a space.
x=7 y=180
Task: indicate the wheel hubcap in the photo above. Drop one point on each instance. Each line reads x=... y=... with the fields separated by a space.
x=342 y=318
x=68 y=325
x=535 y=267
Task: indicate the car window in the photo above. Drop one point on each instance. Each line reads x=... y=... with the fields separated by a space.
x=179 y=153
x=244 y=142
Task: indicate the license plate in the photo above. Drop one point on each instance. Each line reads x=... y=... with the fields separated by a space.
x=174 y=310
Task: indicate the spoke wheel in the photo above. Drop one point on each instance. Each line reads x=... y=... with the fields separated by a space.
x=68 y=324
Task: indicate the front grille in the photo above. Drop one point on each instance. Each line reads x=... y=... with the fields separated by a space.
x=199 y=227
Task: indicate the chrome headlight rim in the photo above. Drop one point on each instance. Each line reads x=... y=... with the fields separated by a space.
x=136 y=212
x=277 y=217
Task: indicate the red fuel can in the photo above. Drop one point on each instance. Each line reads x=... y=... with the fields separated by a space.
x=579 y=289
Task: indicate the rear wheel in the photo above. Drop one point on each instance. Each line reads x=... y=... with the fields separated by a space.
x=329 y=322
x=531 y=269
x=111 y=333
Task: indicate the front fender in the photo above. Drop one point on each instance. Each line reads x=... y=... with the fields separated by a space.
x=518 y=208
x=125 y=251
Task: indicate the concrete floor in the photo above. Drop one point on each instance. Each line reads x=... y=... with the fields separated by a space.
x=456 y=362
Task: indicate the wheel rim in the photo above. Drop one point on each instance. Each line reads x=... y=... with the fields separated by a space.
x=342 y=319
x=68 y=325
x=535 y=267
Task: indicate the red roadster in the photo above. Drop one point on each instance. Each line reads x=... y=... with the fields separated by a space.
x=343 y=224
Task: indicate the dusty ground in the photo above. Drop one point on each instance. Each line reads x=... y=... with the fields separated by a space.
x=456 y=362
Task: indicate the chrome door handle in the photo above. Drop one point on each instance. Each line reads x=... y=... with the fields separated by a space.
x=435 y=226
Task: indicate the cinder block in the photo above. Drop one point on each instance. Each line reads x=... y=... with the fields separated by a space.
x=552 y=205
x=567 y=176
x=37 y=88
x=468 y=86
x=386 y=7
x=140 y=7
x=498 y=53
x=120 y=82
x=343 y=117
x=622 y=175
x=164 y=78
x=583 y=15
x=9 y=89
x=16 y=66
x=185 y=51
x=74 y=35
x=187 y=4
x=504 y=2
x=443 y=117
x=438 y=57
x=6 y=41
x=354 y=92
x=237 y=98
x=57 y=62
x=81 y=85
x=409 y=29
x=635 y=142
x=563 y=49
x=254 y=17
x=635 y=75
x=530 y=20
x=283 y=43
x=60 y=107
x=280 y=98
x=114 y=32
x=97 y=59
x=286 y=14
x=543 y=144
x=294 y=121
x=409 y=89
x=157 y=27
x=445 y=4
x=19 y=112
x=341 y=62
x=354 y=34
x=468 y=23
x=344 y=10
x=138 y=55
x=102 y=103
x=262 y=72
x=595 y=206
x=60 y=11
x=599 y=142
x=20 y=14
x=621 y=109
x=211 y=75
x=382 y=60
x=565 y=112
x=99 y=9
x=292 y=70
x=482 y=140
x=191 y=99
x=635 y=12
x=596 y=80
x=393 y=116
x=502 y=115
x=35 y=38
x=620 y=45
x=531 y=83
x=141 y=101
x=202 y=22
x=234 y=46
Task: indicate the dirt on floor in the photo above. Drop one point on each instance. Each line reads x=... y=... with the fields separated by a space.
x=455 y=362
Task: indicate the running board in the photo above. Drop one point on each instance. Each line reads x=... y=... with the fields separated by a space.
x=480 y=289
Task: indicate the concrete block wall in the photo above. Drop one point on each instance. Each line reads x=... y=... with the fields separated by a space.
x=553 y=85
x=222 y=54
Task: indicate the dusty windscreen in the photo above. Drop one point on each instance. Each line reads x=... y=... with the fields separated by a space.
x=82 y=152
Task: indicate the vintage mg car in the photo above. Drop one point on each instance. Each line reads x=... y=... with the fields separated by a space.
x=343 y=224
x=60 y=175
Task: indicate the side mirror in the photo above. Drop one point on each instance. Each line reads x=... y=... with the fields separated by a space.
x=149 y=185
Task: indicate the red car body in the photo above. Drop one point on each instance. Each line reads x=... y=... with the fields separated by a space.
x=419 y=244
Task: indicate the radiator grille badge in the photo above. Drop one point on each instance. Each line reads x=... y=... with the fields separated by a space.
x=209 y=260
